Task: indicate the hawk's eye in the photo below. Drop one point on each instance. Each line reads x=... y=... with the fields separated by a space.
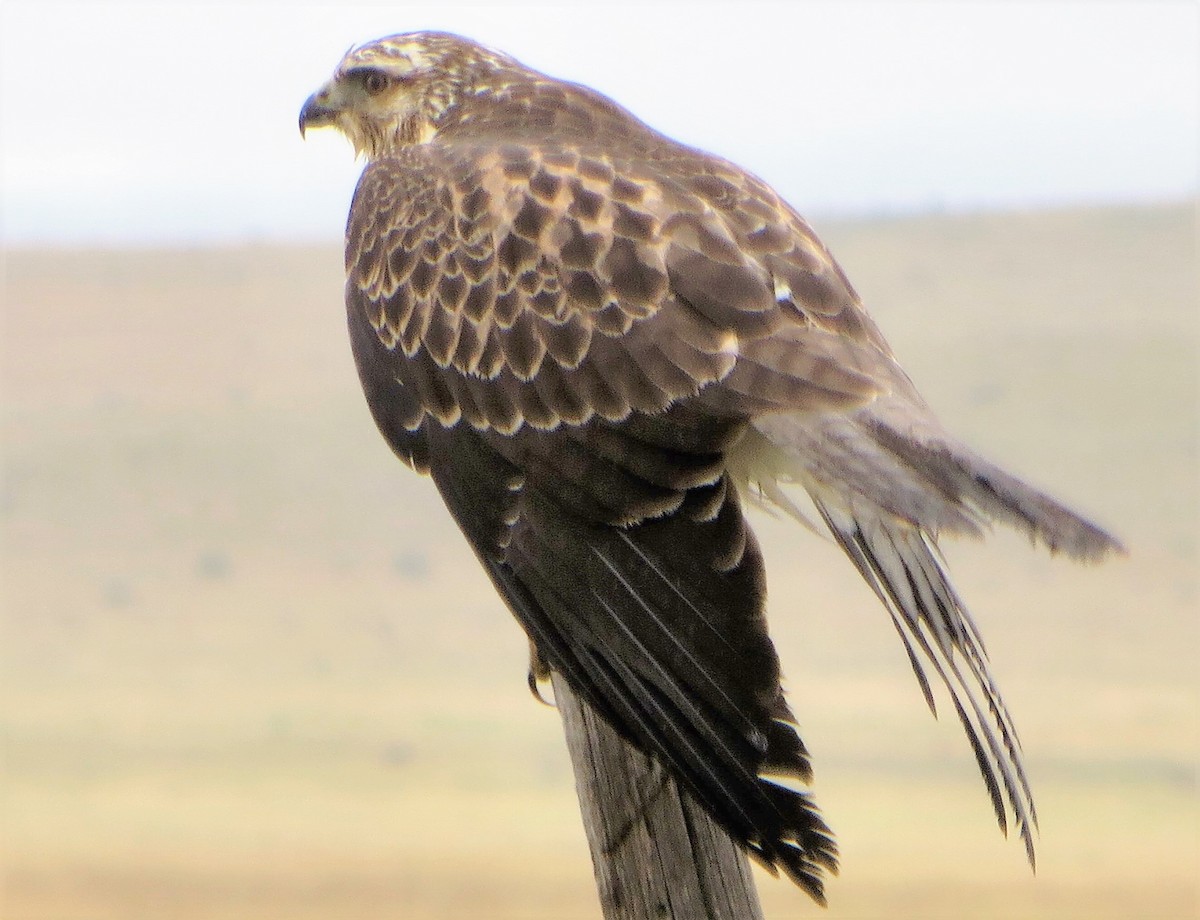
x=375 y=82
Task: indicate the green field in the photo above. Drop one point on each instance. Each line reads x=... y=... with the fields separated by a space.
x=250 y=670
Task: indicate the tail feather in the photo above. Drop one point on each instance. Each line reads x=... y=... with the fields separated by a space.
x=997 y=494
x=885 y=488
x=900 y=567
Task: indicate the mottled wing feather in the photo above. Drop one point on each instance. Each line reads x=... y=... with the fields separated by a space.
x=534 y=288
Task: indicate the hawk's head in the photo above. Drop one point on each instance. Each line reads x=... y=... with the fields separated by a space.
x=394 y=91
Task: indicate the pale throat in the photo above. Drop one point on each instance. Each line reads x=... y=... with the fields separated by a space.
x=374 y=139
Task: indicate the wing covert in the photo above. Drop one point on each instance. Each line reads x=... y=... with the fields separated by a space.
x=520 y=286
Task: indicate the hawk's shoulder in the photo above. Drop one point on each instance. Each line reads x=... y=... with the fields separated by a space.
x=528 y=267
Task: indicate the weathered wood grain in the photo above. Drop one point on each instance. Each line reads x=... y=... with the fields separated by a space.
x=656 y=853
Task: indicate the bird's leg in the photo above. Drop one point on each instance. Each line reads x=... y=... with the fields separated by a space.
x=539 y=672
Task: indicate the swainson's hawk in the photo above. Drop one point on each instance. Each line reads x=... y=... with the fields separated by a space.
x=600 y=343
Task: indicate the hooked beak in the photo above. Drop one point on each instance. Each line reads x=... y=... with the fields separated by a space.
x=320 y=111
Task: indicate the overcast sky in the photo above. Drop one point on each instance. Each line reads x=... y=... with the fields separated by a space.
x=175 y=122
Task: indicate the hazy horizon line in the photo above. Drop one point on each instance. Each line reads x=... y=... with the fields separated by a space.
x=848 y=215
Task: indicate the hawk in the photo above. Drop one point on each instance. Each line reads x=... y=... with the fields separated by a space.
x=602 y=344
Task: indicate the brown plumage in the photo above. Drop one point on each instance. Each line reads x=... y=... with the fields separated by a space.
x=599 y=343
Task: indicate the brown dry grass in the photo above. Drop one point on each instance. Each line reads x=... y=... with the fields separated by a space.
x=251 y=670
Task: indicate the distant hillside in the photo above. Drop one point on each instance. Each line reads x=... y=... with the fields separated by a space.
x=250 y=668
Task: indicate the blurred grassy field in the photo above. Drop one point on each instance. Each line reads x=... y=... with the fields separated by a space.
x=250 y=670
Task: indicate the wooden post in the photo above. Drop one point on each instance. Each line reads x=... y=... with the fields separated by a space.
x=656 y=853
